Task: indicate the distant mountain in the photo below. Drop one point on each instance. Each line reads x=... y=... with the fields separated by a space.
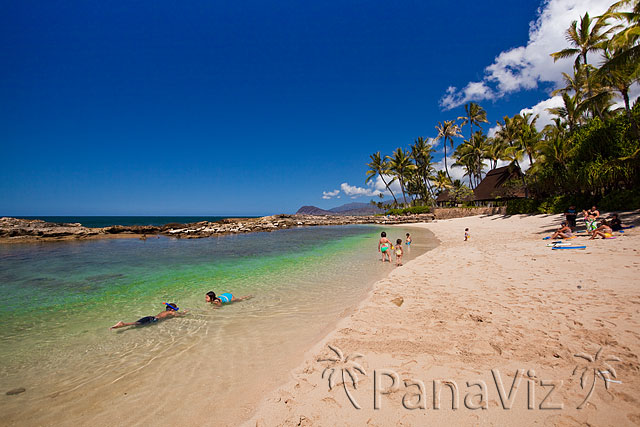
x=348 y=209
x=312 y=210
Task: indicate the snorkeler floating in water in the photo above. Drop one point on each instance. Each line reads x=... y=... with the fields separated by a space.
x=223 y=298
x=171 y=311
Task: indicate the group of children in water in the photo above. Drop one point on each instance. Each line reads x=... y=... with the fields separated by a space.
x=172 y=310
x=385 y=247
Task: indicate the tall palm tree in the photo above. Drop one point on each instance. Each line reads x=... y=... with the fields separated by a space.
x=620 y=77
x=528 y=134
x=493 y=151
x=422 y=155
x=475 y=115
x=447 y=131
x=625 y=41
x=400 y=165
x=378 y=166
x=588 y=37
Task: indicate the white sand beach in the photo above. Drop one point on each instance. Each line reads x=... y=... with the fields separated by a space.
x=502 y=301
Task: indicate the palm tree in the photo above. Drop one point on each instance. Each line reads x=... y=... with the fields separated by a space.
x=528 y=134
x=400 y=164
x=571 y=112
x=422 y=155
x=493 y=151
x=441 y=181
x=377 y=166
x=584 y=39
x=447 y=130
x=470 y=155
x=475 y=115
x=509 y=131
x=625 y=40
x=620 y=78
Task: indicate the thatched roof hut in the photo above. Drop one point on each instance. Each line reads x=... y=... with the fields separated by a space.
x=494 y=185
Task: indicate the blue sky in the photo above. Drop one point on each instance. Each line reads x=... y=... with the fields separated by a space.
x=248 y=107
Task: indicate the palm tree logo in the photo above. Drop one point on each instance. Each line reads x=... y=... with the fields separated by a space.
x=597 y=367
x=347 y=367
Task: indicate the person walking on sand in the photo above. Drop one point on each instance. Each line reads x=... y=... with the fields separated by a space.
x=384 y=246
x=226 y=298
x=398 y=251
x=467 y=236
x=170 y=311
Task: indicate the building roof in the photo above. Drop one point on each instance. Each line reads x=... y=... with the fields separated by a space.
x=493 y=187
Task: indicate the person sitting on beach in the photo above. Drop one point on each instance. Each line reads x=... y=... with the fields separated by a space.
x=225 y=298
x=398 y=251
x=615 y=223
x=384 y=246
x=590 y=218
x=170 y=311
x=564 y=232
x=570 y=216
x=604 y=231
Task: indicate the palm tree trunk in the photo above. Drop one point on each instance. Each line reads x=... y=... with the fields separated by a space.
x=388 y=188
x=445 y=159
x=634 y=125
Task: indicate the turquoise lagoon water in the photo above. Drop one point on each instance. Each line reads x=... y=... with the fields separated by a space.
x=57 y=301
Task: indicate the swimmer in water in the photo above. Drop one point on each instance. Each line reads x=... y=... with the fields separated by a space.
x=385 y=246
x=171 y=311
x=225 y=298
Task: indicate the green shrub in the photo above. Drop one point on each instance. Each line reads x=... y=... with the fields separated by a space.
x=621 y=200
x=521 y=206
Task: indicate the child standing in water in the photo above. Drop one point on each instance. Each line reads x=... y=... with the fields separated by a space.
x=399 y=252
x=385 y=246
x=467 y=236
x=407 y=241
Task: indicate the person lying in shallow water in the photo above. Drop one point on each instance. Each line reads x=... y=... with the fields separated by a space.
x=171 y=311
x=227 y=297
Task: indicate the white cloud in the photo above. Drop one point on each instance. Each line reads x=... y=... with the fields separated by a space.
x=544 y=116
x=456 y=172
x=355 y=192
x=330 y=194
x=524 y=67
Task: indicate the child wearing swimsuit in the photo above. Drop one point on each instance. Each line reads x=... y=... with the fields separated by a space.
x=399 y=252
x=384 y=245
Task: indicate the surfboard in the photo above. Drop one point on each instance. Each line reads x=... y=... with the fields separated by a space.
x=569 y=247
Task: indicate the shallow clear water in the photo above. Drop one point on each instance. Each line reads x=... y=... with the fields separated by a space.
x=57 y=301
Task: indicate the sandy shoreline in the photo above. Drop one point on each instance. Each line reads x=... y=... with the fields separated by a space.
x=475 y=313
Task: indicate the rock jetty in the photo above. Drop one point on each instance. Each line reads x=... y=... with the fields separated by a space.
x=21 y=230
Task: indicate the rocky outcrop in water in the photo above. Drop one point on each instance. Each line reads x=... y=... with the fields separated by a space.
x=14 y=229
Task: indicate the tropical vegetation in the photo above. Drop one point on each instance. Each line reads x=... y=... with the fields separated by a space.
x=589 y=153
